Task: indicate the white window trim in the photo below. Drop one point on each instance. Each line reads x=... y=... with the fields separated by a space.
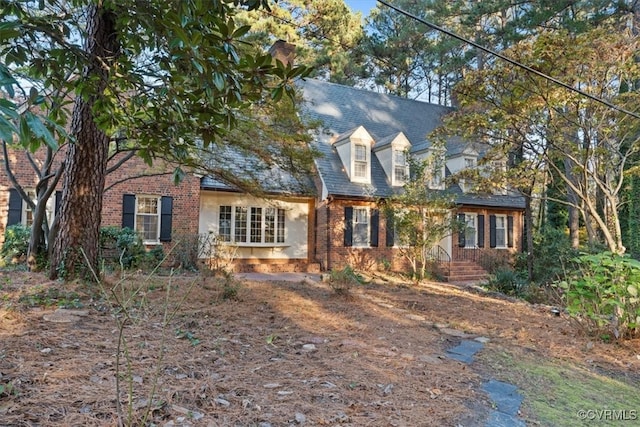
x=467 y=217
x=367 y=242
x=505 y=229
x=367 y=163
x=247 y=242
x=34 y=198
x=135 y=218
x=404 y=166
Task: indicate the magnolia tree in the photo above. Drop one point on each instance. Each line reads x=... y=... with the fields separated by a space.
x=170 y=78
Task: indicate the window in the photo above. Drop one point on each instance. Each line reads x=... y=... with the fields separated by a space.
x=240 y=223
x=273 y=225
x=224 y=224
x=501 y=231
x=148 y=218
x=360 y=161
x=360 y=227
x=470 y=231
x=469 y=162
x=400 y=168
x=256 y=225
x=251 y=225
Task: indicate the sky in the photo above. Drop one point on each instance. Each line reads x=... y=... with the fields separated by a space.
x=363 y=6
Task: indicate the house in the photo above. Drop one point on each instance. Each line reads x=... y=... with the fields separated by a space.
x=267 y=233
x=364 y=141
x=326 y=221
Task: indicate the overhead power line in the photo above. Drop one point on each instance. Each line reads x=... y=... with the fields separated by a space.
x=509 y=60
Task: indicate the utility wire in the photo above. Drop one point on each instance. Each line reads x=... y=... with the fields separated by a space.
x=509 y=60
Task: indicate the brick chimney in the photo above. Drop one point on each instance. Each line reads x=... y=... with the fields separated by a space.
x=283 y=51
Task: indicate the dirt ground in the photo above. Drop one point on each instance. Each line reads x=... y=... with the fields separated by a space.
x=190 y=351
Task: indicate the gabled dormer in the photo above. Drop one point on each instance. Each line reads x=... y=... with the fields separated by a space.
x=465 y=158
x=392 y=153
x=354 y=148
x=435 y=159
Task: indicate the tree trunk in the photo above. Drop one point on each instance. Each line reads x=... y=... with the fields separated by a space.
x=78 y=228
x=574 y=213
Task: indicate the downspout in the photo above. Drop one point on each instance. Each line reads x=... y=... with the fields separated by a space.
x=328 y=235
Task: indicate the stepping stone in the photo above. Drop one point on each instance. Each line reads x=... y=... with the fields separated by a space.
x=465 y=351
x=500 y=419
x=504 y=395
x=507 y=400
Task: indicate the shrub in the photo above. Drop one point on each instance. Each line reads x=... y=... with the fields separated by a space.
x=185 y=252
x=552 y=254
x=604 y=294
x=122 y=246
x=509 y=282
x=341 y=281
x=493 y=261
x=16 y=242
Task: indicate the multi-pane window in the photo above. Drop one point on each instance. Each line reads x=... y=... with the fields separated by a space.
x=470 y=231
x=224 y=224
x=253 y=225
x=501 y=231
x=469 y=162
x=148 y=218
x=240 y=223
x=360 y=227
x=256 y=225
x=360 y=161
x=400 y=169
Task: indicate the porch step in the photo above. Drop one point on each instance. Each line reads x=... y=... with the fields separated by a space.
x=465 y=271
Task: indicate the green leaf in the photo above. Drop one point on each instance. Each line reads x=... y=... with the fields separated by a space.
x=40 y=130
x=7 y=130
x=218 y=81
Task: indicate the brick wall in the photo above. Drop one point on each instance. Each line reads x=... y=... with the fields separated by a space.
x=332 y=254
x=186 y=195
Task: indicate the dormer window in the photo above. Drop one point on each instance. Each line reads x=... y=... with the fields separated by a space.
x=360 y=163
x=469 y=162
x=400 y=167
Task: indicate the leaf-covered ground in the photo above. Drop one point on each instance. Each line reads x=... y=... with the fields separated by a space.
x=189 y=350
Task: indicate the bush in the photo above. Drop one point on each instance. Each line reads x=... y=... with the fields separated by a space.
x=121 y=246
x=16 y=242
x=552 y=254
x=509 y=282
x=341 y=281
x=604 y=294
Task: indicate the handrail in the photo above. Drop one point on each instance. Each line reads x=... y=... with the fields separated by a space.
x=467 y=254
x=439 y=254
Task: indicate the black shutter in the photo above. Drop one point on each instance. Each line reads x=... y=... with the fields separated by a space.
x=510 y=231
x=374 y=224
x=461 y=239
x=128 y=211
x=14 y=216
x=390 y=237
x=481 y=231
x=492 y=231
x=166 y=212
x=348 y=226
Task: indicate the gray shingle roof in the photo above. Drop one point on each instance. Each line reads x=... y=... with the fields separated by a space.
x=244 y=166
x=342 y=109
